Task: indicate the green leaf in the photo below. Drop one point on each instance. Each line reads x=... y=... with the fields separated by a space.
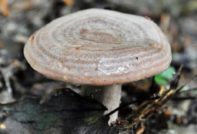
x=164 y=77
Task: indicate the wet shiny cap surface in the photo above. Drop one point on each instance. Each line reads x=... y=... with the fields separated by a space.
x=98 y=47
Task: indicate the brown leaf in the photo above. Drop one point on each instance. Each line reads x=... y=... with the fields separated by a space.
x=4 y=7
x=140 y=130
x=69 y=3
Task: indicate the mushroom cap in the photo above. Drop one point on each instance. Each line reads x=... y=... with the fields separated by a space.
x=98 y=47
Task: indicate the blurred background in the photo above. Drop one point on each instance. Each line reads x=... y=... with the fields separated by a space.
x=20 y=18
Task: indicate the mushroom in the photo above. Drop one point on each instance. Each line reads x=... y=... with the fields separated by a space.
x=100 y=49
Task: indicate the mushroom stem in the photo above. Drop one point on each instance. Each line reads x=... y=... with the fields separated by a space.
x=111 y=99
x=109 y=96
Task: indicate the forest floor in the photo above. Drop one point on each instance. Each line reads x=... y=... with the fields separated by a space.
x=33 y=104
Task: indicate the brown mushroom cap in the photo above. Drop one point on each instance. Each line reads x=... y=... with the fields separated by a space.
x=99 y=47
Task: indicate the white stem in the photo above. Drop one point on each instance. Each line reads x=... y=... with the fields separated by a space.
x=111 y=99
x=109 y=96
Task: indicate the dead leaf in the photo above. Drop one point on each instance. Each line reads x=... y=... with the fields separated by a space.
x=69 y=3
x=140 y=130
x=4 y=7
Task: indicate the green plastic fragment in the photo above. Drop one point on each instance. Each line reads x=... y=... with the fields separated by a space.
x=164 y=77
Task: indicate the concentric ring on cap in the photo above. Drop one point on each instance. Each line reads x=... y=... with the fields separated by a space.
x=98 y=47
